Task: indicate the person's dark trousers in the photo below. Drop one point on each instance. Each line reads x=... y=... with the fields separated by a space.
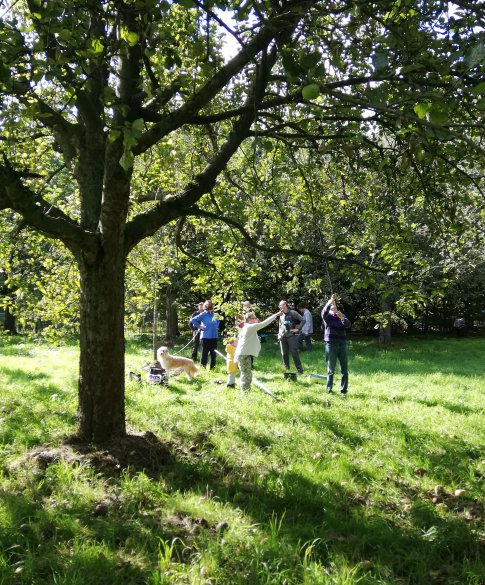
x=337 y=350
x=209 y=346
x=308 y=341
x=195 y=346
x=290 y=345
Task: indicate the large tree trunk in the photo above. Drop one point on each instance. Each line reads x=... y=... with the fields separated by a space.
x=10 y=322
x=102 y=360
x=172 y=331
x=385 y=331
x=155 y=343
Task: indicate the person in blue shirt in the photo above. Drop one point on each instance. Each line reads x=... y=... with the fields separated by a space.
x=335 y=325
x=208 y=323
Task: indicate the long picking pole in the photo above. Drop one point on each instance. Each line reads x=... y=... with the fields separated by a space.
x=256 y=382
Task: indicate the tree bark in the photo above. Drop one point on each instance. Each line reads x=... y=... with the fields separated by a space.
x=155 y=343
x=172 y=330
x=10 y=322
x=102 y=359
x=385 y=331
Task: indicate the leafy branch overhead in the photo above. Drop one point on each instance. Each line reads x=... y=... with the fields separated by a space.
x=105 y=82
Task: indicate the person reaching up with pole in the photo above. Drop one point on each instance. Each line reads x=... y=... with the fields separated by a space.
x=335 y=325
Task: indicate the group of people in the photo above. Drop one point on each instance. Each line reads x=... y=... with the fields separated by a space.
x=295 y=330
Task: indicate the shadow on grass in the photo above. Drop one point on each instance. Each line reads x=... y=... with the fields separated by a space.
x=21 y=376
x=349 y=526
x=452 y=407
x=53 y=545
x=405 y=543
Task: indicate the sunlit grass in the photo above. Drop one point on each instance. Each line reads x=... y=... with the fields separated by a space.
x=311 y=489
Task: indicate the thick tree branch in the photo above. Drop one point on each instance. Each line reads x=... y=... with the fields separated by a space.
x=279 y=25
x=147 y=223
x=178 y=241
x=42 y=215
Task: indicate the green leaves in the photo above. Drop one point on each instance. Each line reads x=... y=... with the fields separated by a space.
x=4 y=73
x=475 y=56
x=127 y=160
x=479 y=89
x=302 y=63
x=311 y=91
x=422 y=109
x=131 y=135
x=380 y=61
x=131 y=37
x=186 y=3
x=437 y=114
x=310 y=60
x=95 y=47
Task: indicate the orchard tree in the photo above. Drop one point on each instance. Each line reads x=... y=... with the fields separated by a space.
x=98 y=84
x=93 y=89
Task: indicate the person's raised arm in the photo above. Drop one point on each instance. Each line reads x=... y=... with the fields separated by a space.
x=267 y=321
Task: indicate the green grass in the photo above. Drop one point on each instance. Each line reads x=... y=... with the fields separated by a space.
x=310 y=490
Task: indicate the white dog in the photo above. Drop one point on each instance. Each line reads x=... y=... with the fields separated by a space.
x=174 y=362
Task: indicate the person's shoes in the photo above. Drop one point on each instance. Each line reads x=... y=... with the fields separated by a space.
x=343 y=394
x=329 y=391
x=231 y=385
x=300 y=372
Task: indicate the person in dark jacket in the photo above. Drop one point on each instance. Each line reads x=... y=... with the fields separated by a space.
x=208 y=323
x=335 y=324
x=459 y=327
x=290 y=324
x=195 y=331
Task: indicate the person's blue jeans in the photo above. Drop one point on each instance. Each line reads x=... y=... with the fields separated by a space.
x=337 y=350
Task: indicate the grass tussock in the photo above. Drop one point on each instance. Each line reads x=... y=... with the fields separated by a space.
x=383 y=487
